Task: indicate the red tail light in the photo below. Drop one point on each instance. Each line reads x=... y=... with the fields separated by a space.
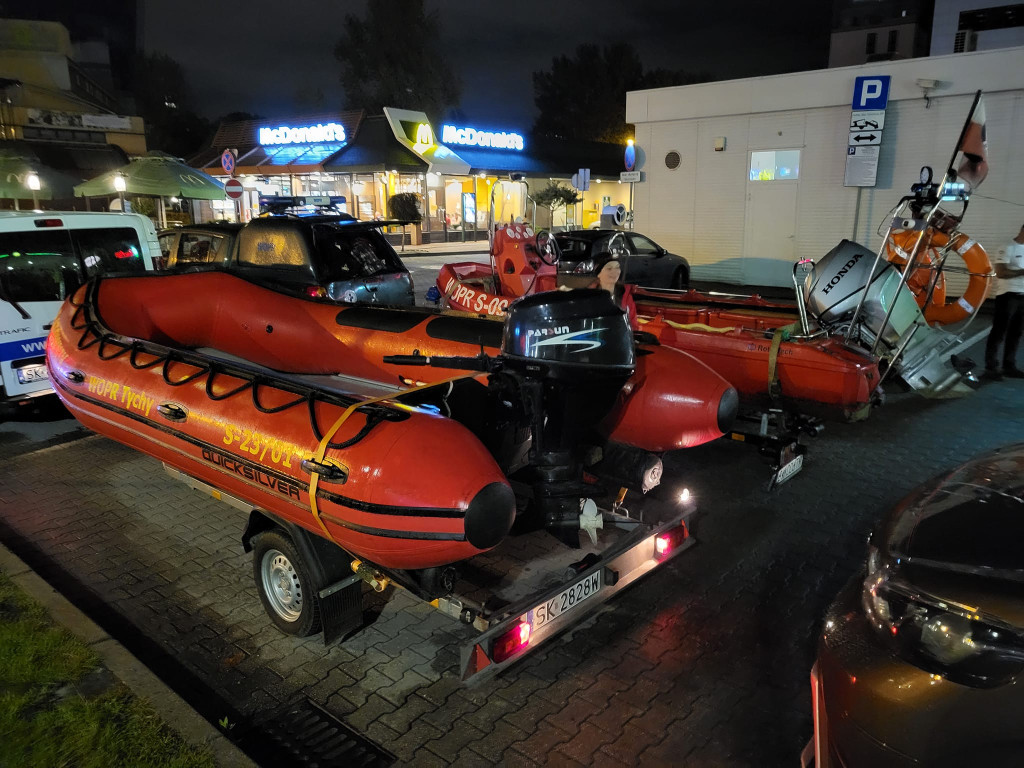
x=670 y=540
x=316 y=291
x=512 y=642
x=49 y=223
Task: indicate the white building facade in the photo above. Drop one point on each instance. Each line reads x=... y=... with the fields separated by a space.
x=976 y=25
x=744 y=177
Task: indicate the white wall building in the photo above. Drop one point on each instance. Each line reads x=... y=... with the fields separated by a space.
x=701 y=203
x=976 y=25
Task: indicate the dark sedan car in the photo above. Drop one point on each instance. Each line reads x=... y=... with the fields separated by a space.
x=921 y=660
x=644 y=262
x=331 y=257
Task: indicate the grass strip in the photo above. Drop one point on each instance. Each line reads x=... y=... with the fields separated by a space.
x=59 y=707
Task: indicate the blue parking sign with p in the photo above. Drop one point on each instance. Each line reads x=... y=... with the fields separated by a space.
x=871 y=92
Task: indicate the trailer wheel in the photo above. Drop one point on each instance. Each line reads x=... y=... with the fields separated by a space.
x=287 y=591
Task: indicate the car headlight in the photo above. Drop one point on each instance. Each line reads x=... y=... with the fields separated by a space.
x=956 y=641
x=585 y=267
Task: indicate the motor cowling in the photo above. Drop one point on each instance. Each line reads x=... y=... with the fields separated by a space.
x=571 y=335
x=834 y=289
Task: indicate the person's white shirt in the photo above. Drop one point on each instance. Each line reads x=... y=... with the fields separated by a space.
x=1012 y=255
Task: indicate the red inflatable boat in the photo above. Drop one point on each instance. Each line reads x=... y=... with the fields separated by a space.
x=290 y=404
x=732 y=336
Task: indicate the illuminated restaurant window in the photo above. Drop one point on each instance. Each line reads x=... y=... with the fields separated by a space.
x=775 y=165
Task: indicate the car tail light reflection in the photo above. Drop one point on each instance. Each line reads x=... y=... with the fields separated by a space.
x=665 y=543
x=512 y=642
x=316 y=291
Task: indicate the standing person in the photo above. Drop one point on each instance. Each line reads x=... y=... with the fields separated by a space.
x=608 y=276
x=1009 y=319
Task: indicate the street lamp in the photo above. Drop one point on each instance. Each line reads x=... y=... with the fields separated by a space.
x=120 y=186
x=32 y=182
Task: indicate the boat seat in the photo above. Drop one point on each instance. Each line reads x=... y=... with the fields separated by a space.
x=338 y=384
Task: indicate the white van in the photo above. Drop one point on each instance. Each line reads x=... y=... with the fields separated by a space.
x=44 y=257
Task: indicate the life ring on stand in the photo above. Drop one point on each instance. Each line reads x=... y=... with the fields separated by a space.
x=938 y=311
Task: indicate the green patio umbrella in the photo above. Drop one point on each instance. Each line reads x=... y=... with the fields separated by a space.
x=16 y=166
x=155 y=175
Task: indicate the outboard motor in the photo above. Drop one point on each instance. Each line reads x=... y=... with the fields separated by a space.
x=833 y=291
x=572 y=352
x=564 y=358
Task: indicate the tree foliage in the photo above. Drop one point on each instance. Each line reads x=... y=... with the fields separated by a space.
x=393 y=58
x=584 y=97
x=164 y=101
x=405 y=206
x=555 y=196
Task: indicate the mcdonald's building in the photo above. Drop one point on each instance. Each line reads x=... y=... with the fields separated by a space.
x=368 y=159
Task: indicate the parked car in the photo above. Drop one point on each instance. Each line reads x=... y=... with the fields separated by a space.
x=321 y=256
x=197 y=245
x=644 y=262
x=45 y=257
x=921 y=659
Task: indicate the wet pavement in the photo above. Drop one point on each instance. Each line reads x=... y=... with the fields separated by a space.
x=703 y=663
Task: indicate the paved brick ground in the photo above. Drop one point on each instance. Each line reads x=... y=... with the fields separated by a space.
x=705 y=664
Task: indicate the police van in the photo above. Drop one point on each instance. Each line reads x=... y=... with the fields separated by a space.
x=44 y=257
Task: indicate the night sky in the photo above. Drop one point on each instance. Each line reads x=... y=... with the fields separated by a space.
x=266 y=56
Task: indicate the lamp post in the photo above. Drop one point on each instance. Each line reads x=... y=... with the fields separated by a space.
x=32 y=182
x=120 y=186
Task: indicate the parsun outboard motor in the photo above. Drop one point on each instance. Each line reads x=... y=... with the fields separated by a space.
x=571 y=352
x=564 y=358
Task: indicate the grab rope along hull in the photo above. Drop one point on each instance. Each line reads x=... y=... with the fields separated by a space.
x=379 y=488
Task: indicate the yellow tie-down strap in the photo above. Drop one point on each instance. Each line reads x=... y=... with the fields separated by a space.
x=321 y=449
x=688 y=326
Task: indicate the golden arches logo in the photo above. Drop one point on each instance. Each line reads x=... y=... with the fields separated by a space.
x=424 y=136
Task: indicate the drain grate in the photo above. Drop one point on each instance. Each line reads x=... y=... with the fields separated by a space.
x=304 y=733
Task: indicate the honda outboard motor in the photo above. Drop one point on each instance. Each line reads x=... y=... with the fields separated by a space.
x=832 y=292
x=572 y=352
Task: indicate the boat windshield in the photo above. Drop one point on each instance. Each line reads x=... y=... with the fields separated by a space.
x=508 y=202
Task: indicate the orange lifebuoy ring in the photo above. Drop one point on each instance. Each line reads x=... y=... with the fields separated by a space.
x=901 y=244
x=898 y=250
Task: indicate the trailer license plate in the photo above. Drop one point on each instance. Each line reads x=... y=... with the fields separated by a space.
x=565 y=600
x=788 y=470
x=31 y=373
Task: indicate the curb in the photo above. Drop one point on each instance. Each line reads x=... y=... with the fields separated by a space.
x=406 y=254
x=178 y=715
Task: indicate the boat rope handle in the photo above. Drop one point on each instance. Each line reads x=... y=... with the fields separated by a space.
x=687 y=326
x=321 y=449
x=86 y=320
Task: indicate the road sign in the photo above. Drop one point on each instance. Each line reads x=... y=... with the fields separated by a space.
x=227 y=161
x=867 y=120
x=233 y=188
x=861 y=166
x=629 y=159
x=865 y=138
x=871 y=92
x=581 y=179
x=630 y=176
